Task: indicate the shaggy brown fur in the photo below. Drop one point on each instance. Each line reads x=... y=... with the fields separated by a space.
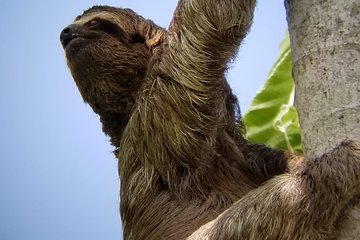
x=163 y=99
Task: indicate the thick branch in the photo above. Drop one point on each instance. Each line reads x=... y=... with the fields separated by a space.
x=325 y=44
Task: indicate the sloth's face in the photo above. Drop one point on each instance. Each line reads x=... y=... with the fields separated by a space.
x=107 y=56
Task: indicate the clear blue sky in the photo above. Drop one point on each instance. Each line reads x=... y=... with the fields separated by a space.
x=58 y=177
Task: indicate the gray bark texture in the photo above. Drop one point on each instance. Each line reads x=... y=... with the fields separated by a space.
x=325 y=44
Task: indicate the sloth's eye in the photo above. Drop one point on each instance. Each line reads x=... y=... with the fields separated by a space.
x=105 y=26
x=93 y=23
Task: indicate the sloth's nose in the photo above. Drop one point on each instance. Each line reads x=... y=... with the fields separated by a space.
x=69 y=33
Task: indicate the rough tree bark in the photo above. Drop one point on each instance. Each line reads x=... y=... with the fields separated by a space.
x=325 y=44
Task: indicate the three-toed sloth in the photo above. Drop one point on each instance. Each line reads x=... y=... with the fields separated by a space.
x=186 y=169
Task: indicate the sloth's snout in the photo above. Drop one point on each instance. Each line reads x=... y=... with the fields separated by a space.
x=68 y=34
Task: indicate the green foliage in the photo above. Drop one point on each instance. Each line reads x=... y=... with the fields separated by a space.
x=272 y=118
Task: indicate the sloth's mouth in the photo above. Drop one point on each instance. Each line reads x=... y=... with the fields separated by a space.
x=73 y=46
x=72 y=41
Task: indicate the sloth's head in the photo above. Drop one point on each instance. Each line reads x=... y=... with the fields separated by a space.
x=108 y=51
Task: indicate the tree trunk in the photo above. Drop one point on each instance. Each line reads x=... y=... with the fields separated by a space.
x=325 y=44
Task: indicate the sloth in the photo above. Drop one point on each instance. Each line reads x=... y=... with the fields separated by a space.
x=186 y=170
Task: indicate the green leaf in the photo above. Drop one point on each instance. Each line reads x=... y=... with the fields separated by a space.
x=272 y=118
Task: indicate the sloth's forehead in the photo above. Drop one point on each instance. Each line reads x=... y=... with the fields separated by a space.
x=82 y=19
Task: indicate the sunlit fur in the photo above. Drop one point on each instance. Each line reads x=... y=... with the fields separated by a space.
x=163 y=99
